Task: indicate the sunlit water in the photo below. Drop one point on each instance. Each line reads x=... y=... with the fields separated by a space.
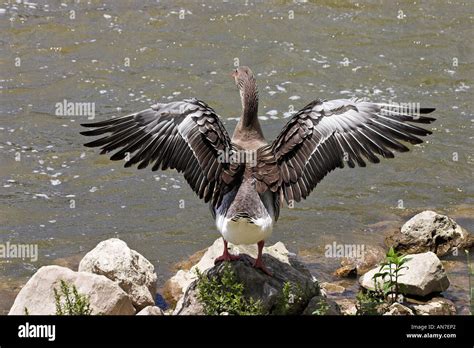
x=123 y=56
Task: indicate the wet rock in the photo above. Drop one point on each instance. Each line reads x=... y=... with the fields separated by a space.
x=151 y=310
x=105 y=296
x=257 y=285
x=425 y=275
x=430 y=231
x=331 y=288
x=353 y=266
x=347 y=306
x=348 y=271
x=320 y=305
x=129 y=269
x=436 y=306
x=398 y=309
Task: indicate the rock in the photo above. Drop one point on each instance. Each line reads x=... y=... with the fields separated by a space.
x=151 y=310
x=430 y=231
x=425 y=275
x=398 y=309
x=130 y=270
x=320 y=305
x=173 y=287
x=347 y=271
x=347 y=306
x=105 y=296
x=331 y=288
x=436 y=306
x=351 y=267
x=257 y=285
x=176 y=286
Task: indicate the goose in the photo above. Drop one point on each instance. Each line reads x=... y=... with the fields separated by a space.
x=245 y=192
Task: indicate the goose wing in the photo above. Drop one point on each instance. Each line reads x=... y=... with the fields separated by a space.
x=186 y=135
x=325 y=134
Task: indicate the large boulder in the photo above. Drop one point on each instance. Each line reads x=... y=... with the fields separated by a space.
x=37 y=296
x=425 y=275
x=430 y=231
x=129 y=269
x=257 y=285
x=436 y=306
x=176 y=286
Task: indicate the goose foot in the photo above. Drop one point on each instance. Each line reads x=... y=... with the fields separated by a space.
x=226 y=256
x=259 y=262
x=259 y=265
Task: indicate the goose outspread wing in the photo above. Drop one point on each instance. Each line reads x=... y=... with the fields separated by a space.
x=186 y=135
x=325 y=134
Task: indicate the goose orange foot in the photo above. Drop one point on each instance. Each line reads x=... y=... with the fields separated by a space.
x=258 y=262
x=226 y=256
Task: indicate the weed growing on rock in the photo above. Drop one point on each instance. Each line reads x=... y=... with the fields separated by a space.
x=322 y=307
x=291 y=300
x=224 y=294
x=73 y=303
x=368 y=303
x=391 y=268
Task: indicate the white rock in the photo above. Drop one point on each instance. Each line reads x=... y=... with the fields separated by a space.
x=430 y=231
x=105 y=296
x=425 y=275
x=130 y=270
x=151 y=310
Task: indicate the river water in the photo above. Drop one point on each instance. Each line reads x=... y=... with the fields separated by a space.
x=122 y=56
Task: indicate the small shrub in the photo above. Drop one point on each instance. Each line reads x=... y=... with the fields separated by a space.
x=291 y=299
x=391 y=268
x=73 y=303
x=368 y=303
x=322 y=307
x=225 y=294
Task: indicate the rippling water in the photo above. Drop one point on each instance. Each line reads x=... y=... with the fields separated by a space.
x=124 y=55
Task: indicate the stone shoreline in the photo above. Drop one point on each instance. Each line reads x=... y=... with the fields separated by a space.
x=119 y=281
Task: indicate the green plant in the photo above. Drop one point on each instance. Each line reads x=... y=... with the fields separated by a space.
x=391 y=267
x=73 y=303
x=223 y=293
x=291 y=299
x=368 y=303
x=322 y=307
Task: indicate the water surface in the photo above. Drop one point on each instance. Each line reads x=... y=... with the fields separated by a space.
x=124 y=56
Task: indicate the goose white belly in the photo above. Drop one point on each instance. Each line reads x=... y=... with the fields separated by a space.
x=241 y=231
